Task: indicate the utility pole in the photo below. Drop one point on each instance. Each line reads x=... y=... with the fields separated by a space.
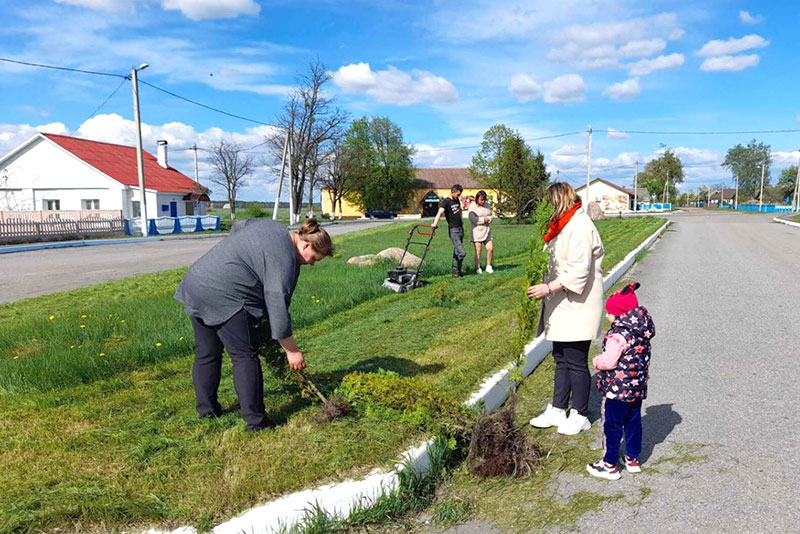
x=280 y=179
x=736 y=199
x=588 y=168
x=708 y=201
x=196 y=173
x=797 y=189
x=636 y=188
x=291 y=183
x=558 y=175
x=761 y=194
x=139 y=158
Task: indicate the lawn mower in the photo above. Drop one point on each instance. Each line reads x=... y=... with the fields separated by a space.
x=401 y=279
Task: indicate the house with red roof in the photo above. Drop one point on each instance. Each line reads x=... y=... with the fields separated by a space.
x=57 y=172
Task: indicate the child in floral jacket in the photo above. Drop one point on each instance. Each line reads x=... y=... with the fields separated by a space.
x=622 y=381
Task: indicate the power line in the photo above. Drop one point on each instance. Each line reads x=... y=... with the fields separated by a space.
x=68 y=69
x=109 y=97
x=196 y=103
x=708 y=133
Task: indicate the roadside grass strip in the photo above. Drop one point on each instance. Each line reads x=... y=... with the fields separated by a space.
x=97 y=424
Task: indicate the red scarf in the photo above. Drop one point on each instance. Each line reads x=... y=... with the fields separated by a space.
x=557 y=226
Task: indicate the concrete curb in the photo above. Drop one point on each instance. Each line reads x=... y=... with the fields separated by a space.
x=783 y=221
x=10 y=249
x=338 y=499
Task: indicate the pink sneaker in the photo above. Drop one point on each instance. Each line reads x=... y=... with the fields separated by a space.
x=632 y=465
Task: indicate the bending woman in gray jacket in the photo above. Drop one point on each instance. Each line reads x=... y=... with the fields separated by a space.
x=246 y=278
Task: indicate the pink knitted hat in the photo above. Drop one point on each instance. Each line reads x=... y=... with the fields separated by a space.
x=623 y=300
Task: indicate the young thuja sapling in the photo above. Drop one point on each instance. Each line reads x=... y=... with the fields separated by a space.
x=497 y=446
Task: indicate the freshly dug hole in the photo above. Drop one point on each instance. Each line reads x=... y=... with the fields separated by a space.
x=499 y=449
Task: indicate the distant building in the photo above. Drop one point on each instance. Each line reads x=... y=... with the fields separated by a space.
x=56 y=172
x=433 y=185
x=610 y=196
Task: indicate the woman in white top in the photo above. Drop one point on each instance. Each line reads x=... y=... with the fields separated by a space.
x=481 y=235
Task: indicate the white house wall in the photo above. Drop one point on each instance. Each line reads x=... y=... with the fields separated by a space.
x=605 y=195
x=46 y=172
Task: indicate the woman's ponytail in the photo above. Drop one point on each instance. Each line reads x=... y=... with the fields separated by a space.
x=311 y=232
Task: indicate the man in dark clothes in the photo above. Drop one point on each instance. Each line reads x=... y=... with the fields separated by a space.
x=451 y=209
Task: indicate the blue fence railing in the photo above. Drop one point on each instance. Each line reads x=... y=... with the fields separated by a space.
x=765 y=208
x=665 y=206
x=174 y=225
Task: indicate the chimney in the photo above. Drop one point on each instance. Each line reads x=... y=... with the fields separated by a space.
x=162 y=153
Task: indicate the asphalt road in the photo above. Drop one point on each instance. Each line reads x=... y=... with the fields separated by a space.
x=41 y=272
x=720 y=425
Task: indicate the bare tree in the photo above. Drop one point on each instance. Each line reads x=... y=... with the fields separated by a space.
x=336 y=176
x=231 y=169
x=312 y=120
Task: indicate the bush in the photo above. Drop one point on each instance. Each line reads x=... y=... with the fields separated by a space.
x=255 y=211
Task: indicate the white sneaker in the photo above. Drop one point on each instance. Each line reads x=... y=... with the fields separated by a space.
x=575 y=424
x=489 y=269
x=550 y=417
x=479 y=271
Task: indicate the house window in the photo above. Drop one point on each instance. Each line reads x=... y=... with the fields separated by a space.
x=51 y=205
x=90 y=203
x=136 y=209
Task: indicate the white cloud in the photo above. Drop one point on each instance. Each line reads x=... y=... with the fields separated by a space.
x=730 y=63
x=212 y=9
x=642 y=48
x=646 y=66
x=525 y=87
x=601 y=45
x=749 y=19
x=430 y=156
x=569 y=156
x=694 y=156
x=564 y=89
x=395 y=86
x=624 y=90
x=732 y=46
x=616 y=134
x=192 y=9
x=13 y=135
x=113 y=128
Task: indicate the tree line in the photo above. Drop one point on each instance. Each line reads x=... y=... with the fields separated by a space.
x=366 y=162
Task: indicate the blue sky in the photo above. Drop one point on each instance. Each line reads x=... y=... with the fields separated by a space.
x=445 y=71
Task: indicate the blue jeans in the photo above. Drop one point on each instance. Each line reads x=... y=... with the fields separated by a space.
x=621 y=418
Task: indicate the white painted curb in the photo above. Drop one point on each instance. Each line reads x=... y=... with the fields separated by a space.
x=782 y=221
x=338 y=499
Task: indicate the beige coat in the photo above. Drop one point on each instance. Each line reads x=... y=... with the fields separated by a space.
x=481 y=231
x=576 y=261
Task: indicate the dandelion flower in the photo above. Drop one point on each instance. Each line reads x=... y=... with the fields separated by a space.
x=102 y=354
x=84 y=316
x=180 y=338
x=159 y=344
x=16 y=357
x=72 y=346
x=122 y=320
x=52 y=317
x=110 y=315
x=83 y=326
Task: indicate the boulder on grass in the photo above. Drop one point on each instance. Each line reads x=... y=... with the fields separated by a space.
x=367 y=259
x=595 y=212
x=410 y=261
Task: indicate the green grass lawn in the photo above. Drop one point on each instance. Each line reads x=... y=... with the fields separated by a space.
x=97 y=424
x=796 y=218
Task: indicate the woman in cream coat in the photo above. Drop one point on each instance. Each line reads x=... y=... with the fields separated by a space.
x=573 y=308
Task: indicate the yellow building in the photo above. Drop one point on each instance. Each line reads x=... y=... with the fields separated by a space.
x=433 y=186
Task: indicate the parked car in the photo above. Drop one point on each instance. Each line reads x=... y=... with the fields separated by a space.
x=380 y=214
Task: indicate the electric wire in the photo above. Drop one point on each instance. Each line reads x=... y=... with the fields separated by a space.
x=196 y=103
x=68 y=69
x=109 y=97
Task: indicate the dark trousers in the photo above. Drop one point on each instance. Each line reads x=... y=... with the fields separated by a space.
x=238 y=335
x=572 y=375
x=621 y=418
x=457 y=237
